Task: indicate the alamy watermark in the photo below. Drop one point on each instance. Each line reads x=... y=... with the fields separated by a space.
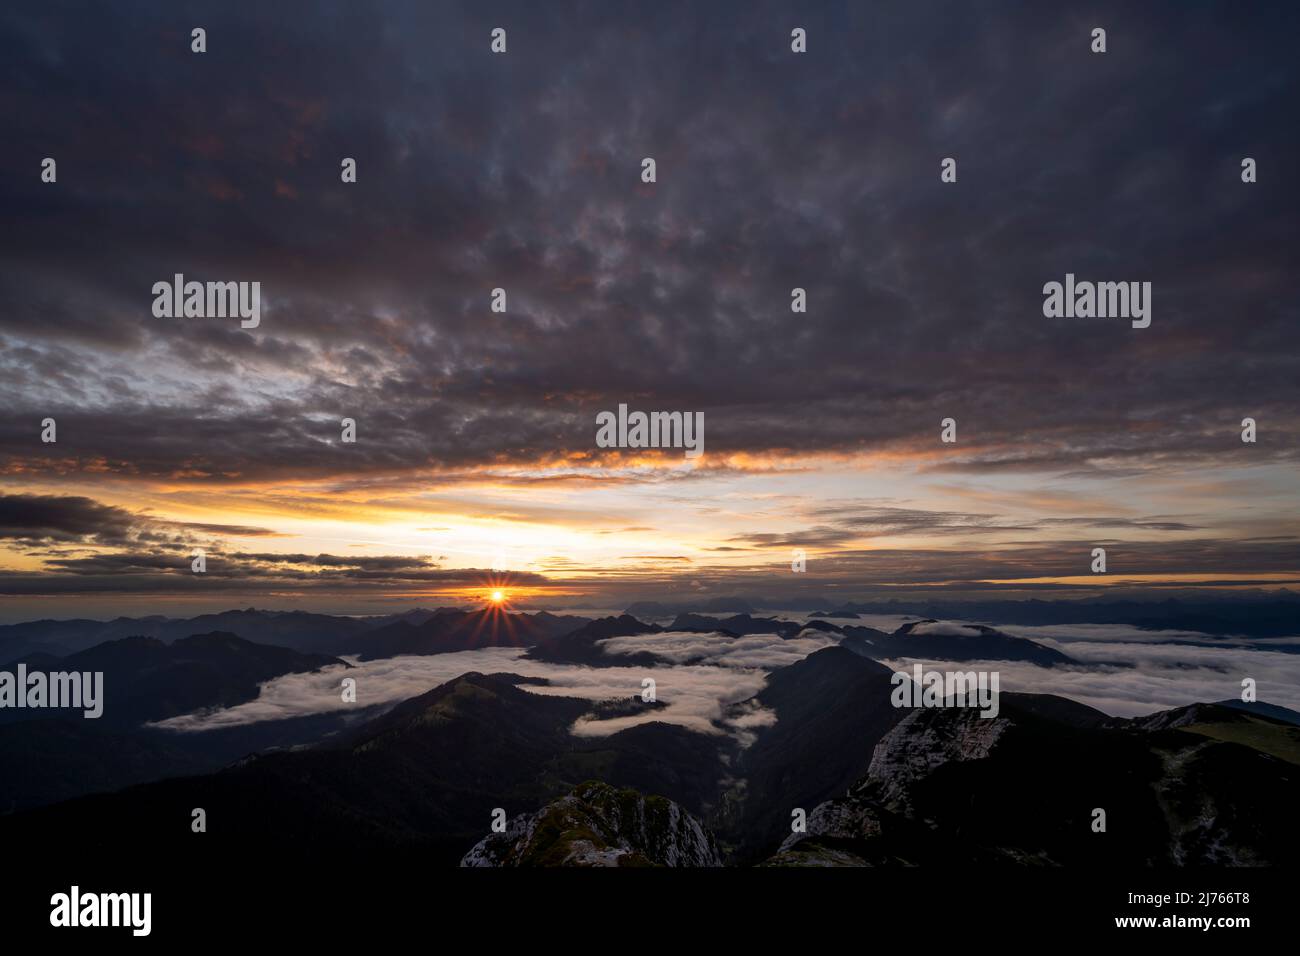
x=1102 y=300
x=74 y=908
x=208 y=300
x=651 y=430
x=924 y=688
x=60 y=690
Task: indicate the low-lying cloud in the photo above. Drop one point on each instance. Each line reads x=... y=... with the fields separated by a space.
x=694 y=697
x=1122 y=671
x=1125 y=677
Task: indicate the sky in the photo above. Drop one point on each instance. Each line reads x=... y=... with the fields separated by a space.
x=476 y=430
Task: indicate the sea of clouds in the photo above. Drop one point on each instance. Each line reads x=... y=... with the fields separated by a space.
x=1129 y=672
x=696 y=696
x=1122 y=671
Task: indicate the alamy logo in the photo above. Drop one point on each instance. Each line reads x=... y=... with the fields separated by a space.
x=652 y=430
x=134 y=910
x=208 y=300
x=79 y=691
x=924 y=688
x=1102 y=300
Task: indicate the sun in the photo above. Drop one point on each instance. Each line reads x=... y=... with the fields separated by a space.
x=497 y=597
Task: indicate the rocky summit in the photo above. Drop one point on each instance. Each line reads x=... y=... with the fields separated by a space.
x=600 y=825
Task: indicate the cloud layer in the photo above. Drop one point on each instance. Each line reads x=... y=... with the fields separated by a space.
x=1119 y=675
x=1128 y=672
x=522 y=171
x=694 y=697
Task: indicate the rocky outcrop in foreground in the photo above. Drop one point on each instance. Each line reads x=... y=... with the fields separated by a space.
x=600 y=825
x=1047 y=782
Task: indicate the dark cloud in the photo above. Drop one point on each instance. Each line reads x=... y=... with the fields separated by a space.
x=521 y=171
x=63 y=518
x=850 y=522
x=1147 y=524
x=365 y=563
x=237 y=530
x=169 y=571
x=49 y=519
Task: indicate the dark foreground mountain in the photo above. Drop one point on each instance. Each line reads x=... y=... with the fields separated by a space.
x=298 y=630
x=1199 y=786
x=48 y=755
x=425 y=777
x=46 y=761
x=878 y=784
x=830 y=709
x=599 y=825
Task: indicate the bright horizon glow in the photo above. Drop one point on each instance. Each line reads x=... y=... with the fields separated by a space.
x=875 y=525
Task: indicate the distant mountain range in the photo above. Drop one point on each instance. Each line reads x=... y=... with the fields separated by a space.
x=949 y=642
x=451 y=630
x=710 y=605
x=930 y=639
x=1252 y=614
x=418 y=631
x=299 y=630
